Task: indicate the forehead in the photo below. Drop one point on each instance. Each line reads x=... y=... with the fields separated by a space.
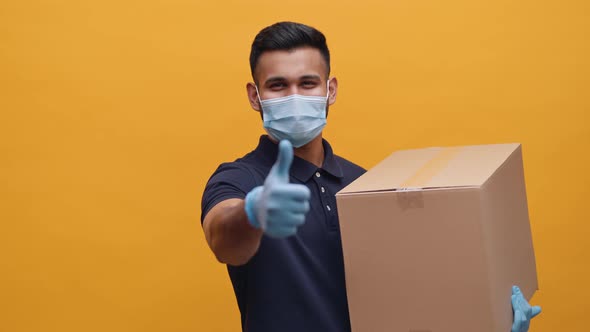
x=290 y=64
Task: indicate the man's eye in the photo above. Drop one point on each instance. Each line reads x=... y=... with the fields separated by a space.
x=276 y=86
x=309 y=84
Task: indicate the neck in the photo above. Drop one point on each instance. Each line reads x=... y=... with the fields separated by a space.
x=312 y=151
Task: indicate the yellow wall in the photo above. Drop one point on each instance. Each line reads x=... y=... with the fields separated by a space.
x=113 y=114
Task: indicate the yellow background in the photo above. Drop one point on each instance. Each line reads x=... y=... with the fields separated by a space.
x=113 y=114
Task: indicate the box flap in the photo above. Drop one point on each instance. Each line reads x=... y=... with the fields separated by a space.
x=436 y=167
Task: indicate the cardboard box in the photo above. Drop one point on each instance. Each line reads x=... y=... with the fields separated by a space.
x=434 y=239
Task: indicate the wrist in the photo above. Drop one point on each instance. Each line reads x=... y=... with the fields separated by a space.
x=250 y=206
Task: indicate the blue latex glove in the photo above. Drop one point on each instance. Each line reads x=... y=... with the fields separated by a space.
x=523 y=312
x=278 y=207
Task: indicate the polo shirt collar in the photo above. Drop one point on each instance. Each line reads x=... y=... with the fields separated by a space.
x=301 y=169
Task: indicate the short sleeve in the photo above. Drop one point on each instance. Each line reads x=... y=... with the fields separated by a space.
x=230 y=180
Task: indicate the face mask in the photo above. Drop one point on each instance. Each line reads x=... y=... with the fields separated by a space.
x=296 y=118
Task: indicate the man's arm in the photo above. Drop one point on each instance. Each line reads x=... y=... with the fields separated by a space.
x=233 y=228
x=230 y=236
x=523 y=311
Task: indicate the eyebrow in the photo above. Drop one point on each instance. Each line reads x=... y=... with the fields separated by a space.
x=274 y=79
x=310 y=77
x=283 y=79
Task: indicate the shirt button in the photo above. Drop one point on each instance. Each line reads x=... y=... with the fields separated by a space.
x=328 y=207
x=317 y=174
x=323 y=190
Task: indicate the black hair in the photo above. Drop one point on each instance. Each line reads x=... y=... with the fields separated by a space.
x=288 y=36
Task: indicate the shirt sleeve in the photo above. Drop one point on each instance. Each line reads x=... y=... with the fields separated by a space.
x=230 y=180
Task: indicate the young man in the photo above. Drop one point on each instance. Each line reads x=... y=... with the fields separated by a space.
x=271 y=215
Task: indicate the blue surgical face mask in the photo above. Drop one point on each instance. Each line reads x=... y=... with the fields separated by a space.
x=296 y=118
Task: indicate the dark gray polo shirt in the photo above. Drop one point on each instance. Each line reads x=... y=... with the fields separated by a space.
x=296 y=283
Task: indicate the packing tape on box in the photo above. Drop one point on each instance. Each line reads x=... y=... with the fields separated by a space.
x=410 y=196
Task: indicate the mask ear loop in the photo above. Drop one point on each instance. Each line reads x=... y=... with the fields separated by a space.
x=258 y=95
x=260 y=103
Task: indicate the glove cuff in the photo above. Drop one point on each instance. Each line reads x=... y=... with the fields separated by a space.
x=250 y=206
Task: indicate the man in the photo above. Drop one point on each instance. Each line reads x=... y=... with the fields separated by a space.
x=271 y=215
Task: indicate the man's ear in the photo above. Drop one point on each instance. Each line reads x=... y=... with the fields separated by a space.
x=333 y=90
x=253 y=96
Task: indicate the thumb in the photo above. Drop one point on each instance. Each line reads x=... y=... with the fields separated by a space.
x=284 y=160
x=536 y=311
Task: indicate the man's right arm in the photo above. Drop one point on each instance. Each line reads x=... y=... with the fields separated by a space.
x=229 y=234
x=234 y=227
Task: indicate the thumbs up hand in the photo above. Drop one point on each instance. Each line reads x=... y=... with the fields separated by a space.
x=278 y=207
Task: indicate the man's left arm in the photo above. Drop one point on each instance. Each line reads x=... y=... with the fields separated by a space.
x=523 y=311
